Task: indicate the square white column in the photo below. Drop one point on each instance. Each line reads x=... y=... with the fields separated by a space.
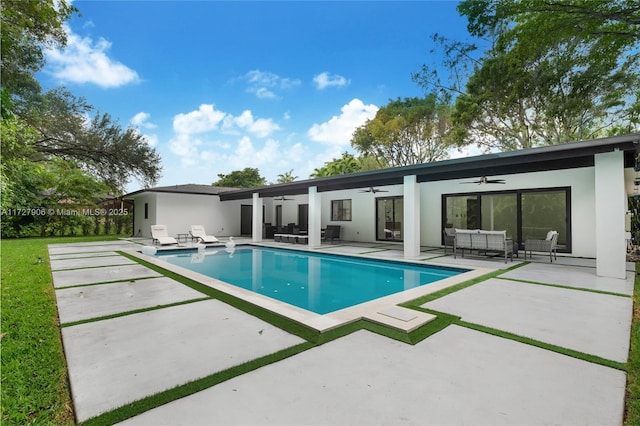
x=315 y=215
x=256 y=219
x=610 y=197
x=411 y=219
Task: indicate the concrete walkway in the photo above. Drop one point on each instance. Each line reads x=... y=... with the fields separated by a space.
x=456 y=376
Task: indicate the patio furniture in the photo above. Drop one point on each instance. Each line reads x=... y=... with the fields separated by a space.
x=160 y=235
x=331 y=233
x=484 y=242
x=548 y=245
x=268 y=231
x=197 y=231
x=449 y=238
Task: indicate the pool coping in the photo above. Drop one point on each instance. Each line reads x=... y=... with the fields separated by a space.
x=384 y=310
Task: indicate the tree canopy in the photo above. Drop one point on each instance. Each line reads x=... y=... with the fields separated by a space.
x=56 y=125
x=338 y=166
x=247 y=178
x=406 y=131
x=27 y=26
x=286 y=177
x=556 y=71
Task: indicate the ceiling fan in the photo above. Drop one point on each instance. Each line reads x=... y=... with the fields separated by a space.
x=483 y=179
x=373 y=190
x=282 y=198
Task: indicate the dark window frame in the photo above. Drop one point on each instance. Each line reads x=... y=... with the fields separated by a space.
x=519 y=193
x=377 y=212
x=341 y=210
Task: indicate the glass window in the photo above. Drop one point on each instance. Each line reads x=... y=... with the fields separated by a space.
x=462 y=212
x=543 y=212
x=340 y=210
x=499 y=212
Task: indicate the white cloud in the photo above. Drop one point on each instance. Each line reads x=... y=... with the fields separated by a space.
x=140 y=120
x=226 y=154
x=83 y=61
x=268 y=158
x=326 y=79
x=265 y=84
x=204 y=119
x=339 y=129
x=186 y=148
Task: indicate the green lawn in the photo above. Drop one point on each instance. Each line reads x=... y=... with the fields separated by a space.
x=35 y=389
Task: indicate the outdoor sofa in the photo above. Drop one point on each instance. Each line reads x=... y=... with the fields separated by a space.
x=483 y=242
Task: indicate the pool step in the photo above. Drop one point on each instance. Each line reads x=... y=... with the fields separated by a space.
x=401 y=318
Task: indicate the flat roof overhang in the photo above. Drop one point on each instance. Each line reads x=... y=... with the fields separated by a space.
x=553 y=157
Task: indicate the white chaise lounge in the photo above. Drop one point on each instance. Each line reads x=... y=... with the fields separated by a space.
x=161 y=235
x=197 y=231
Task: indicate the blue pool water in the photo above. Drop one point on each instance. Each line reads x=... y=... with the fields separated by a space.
x=319 y=283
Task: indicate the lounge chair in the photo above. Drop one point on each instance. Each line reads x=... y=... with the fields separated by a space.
x=549 y=245
x=197 y=231
x=161 y=235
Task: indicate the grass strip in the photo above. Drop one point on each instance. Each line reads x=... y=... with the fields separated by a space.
x=632 y=397
x=135 y=311
x=415 y=303
x=590 y=290
x=35 y=388
x=537 y=343
x=138 y=407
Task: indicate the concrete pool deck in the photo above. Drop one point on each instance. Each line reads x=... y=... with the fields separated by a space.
x=458 y=375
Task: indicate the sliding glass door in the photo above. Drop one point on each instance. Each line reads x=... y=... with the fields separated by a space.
x=522 y=213
x=389 y=217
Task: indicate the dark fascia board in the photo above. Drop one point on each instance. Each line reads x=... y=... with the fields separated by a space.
x=182 y=189
x=553 y=157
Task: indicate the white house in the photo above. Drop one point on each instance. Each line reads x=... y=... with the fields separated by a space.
x=579 y=189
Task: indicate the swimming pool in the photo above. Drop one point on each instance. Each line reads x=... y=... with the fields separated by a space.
x=320 y=283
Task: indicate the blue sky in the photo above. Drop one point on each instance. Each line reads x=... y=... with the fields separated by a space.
x=220 y=86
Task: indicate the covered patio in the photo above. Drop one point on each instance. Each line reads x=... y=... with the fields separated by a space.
x=597 y=175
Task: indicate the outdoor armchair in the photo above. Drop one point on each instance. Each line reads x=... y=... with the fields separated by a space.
x=548 y=245
x=449 y=238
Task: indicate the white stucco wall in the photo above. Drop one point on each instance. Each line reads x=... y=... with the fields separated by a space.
x=180 y=211
x=289 y=209
x=142 y=226
x=362 y=227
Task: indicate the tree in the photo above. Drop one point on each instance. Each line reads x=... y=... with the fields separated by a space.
x=44 y=190
x=556 y=71
x=338 y=166
x=28 y=26
x=98 y=145
x=286 y=177
x=246 y=178
x=57 y=125
x=406 y=131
